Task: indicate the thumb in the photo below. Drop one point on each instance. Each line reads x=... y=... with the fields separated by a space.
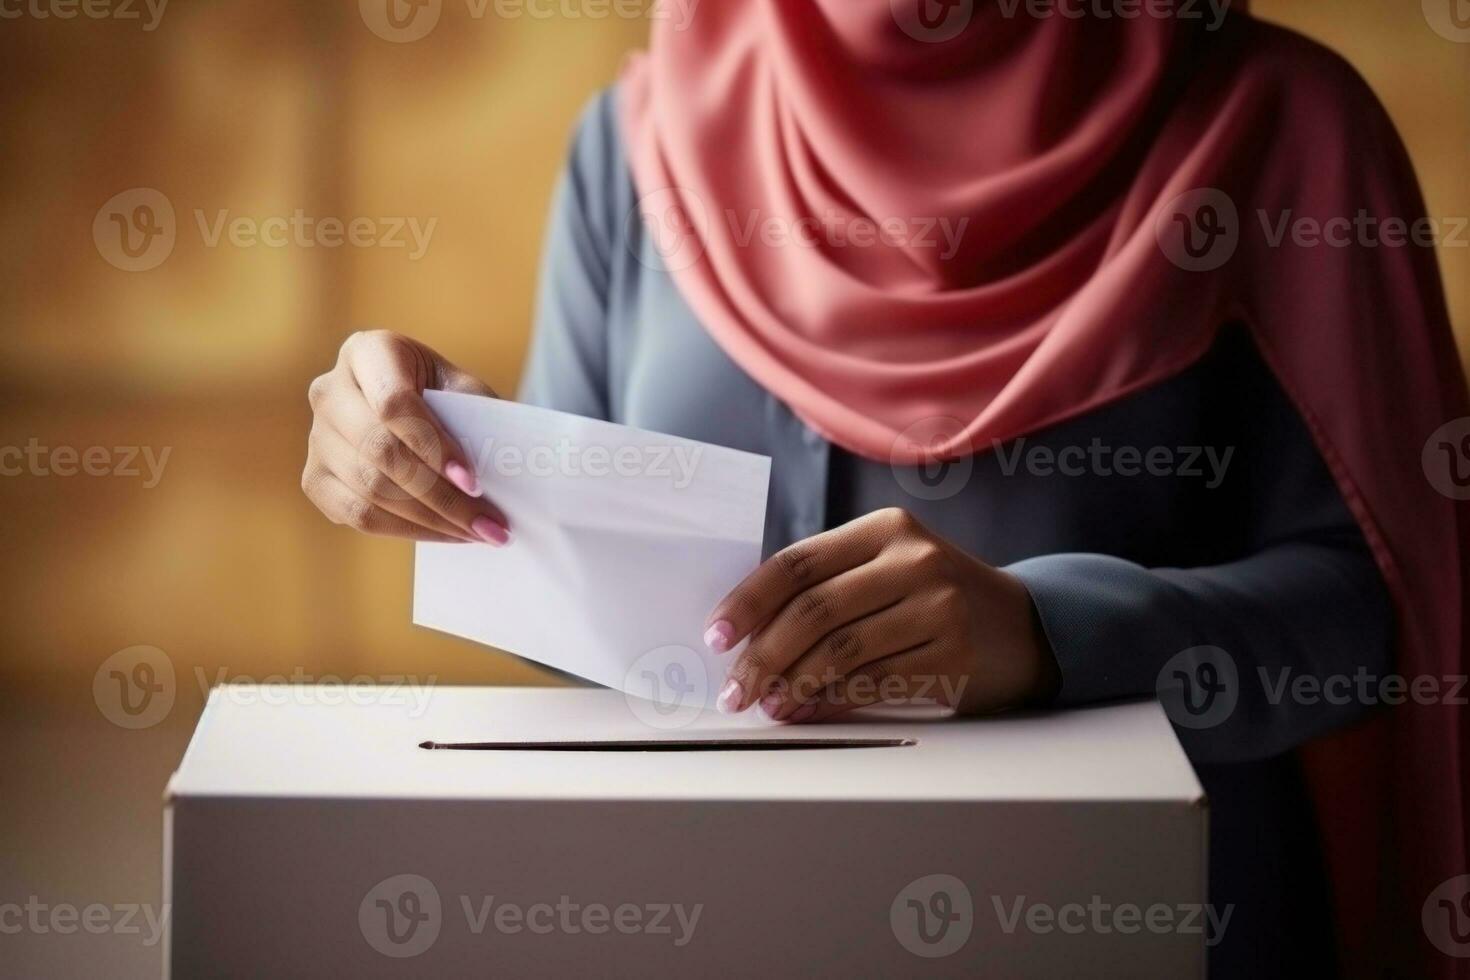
x=448 y=377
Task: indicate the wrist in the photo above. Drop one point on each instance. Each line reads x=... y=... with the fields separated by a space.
x=1013 y=663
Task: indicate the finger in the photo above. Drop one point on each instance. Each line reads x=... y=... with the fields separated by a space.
x=882 y=680
x=391 y=372
x=333 y=498
x=790 y=571
x=342 y=461
x=450 y=377
x=842 y=653
x=826 y=607
x=379 y=448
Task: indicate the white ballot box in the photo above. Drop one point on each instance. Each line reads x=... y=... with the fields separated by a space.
x=310 y=832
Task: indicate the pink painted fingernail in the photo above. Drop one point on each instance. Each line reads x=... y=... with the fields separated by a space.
x=804 y=712
x=719 y=635
x=490 y=532
x=771 y=706
x=459 y=475
x=729 y=699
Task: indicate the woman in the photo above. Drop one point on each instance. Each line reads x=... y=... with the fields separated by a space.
x=1062 y=409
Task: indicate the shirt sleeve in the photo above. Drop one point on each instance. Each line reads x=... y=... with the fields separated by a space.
x=1300 y=621
x=567 y=367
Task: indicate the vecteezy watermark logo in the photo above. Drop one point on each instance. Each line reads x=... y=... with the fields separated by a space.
x=1199 y=230
x=135 y=687
x=1363 y=230
x=42 y=918
x=1207 y=464
x=932 y=916
x=135 y=230
x=1216 y=10
x=91 y=9
x=302 y=230
x=1363 y=687
x=38 y=460
x=399 y=459
x=400 y=21
x=920 y=467
x=400 y=916
x=1446 y=459
x=403 y=916
x=1104 y=918
x=932 y=21
x=407 y=691
x=572 y=918
x=1450 y=19
x=1199 y=687
x=1446 y=917
x=673 y=221
x=668 y=687
x=674 y=463
x=835 y=229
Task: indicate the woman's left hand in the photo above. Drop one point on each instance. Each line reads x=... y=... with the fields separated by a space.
x=880 y=609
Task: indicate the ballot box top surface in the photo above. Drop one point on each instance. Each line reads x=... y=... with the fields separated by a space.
x=366 y=742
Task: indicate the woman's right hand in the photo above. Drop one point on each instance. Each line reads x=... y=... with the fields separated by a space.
x=378 y=460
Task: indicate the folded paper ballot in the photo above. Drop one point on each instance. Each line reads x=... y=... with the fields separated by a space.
x=622 y=542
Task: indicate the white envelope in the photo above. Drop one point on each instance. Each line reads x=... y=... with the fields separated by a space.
x=622 y=542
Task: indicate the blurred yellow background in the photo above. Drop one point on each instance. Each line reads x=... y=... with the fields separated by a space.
x=260 y=109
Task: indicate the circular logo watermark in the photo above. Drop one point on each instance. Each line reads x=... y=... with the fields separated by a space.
x=1446 y=459
x=135 y=687
x=1199 y=687
x=400 y=916
x=1446 y=917
x=382 y=452
x=675 y=224
x=933 y=916
x=1199 y=230
x=932 y=21
x=668 y=687
x=931 y=477
x=400 y=21
x=135 y=230
x=1450 y=19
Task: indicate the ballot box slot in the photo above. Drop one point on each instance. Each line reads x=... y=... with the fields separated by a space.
x=676 y=745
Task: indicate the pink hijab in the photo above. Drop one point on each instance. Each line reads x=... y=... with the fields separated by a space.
x=928 y=227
